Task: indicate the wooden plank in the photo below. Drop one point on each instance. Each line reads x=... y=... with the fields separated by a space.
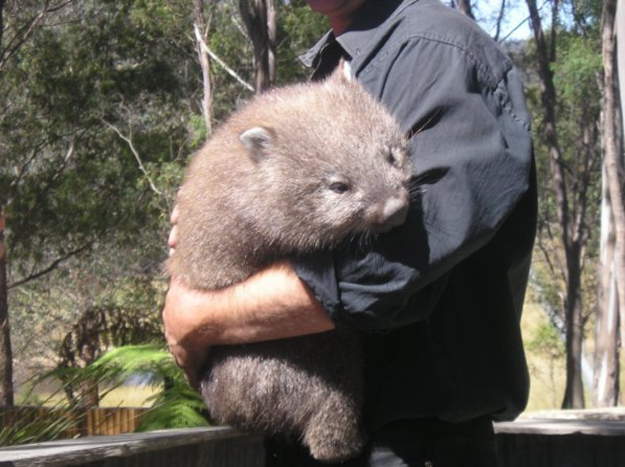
x=571 y=450
x=526 y=442
x=549 y=426
x=607 y=413
x=562 y=442
x=182 y=447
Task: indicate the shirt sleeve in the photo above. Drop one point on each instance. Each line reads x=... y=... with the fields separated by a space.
x=471 y=149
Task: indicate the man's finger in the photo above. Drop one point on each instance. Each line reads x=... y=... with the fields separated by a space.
x=191 y=376
x=173 y=239
x=190 y=372
x=175 y=215
x=187 y=361
x=181 y=357
x=173 y=234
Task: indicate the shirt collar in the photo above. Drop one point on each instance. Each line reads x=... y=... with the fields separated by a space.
x=311 y=57
x=372 y=20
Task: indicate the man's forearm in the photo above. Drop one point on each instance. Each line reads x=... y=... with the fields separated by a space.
x=272 y=304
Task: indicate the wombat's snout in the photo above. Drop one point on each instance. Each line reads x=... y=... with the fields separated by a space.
x=391 y=214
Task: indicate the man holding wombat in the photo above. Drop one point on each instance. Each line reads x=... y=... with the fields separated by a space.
x=438 y=299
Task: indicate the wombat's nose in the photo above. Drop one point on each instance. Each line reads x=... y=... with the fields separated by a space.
x=392 y=214
x=395 y=212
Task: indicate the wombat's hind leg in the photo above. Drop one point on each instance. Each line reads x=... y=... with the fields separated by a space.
x=334 y=435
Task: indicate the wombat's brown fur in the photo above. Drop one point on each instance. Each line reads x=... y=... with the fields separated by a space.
x=297 y=170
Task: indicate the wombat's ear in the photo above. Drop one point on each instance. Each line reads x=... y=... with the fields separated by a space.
x=257 y=140
x=343 y=71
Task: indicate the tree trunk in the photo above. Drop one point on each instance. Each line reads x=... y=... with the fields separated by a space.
x=80 y=348
x=465 y=7
x=613 y=164
x=570 y=234
x=2 y=2
x=500 y=17
x=6 y=354
x=620 y=57
x=606 y=364
x=620 y=71
x=201 y=34
x=574 y=391
x=261 y=27
x=271 y=41
x=611 y=302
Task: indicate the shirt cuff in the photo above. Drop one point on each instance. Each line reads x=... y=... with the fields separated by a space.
x=318 y=273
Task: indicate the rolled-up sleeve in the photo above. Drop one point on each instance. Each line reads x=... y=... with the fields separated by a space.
x=471 y=149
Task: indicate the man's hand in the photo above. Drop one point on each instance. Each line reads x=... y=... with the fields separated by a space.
x=187 y=343
x=188 y=340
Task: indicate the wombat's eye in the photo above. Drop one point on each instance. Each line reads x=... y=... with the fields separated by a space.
x=397 y=157
x=390 y=157
x=339 y=187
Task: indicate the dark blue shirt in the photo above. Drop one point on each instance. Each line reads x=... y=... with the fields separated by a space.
x=439 y=299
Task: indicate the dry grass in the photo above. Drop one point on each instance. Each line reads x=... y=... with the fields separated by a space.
x=128 y=396
x=548 y=376
x=123 y=396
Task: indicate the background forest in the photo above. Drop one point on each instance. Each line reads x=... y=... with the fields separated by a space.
x=103 y=102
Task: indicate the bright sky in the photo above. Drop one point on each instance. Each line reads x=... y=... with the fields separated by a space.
x=514 y=23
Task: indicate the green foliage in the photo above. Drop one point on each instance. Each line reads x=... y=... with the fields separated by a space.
x=77 y=180
x=77 y=202
x=150 y=362
x=547 y=342
x=578 y=67
x=576 y=72
x=44 y=419
x=299 y=29
x=176 y=405
x=228 y=41
x=99 y=111
x=28 y=426
x=585 y=12
x=38 y=419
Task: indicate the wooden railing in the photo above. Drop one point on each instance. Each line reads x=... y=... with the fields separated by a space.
x=191 y=447
x=542 y=442
x=589 y=438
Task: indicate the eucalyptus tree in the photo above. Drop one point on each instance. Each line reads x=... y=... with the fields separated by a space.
x=611 y=307
x=568 y=147
x=93 y=133
x=18 y=23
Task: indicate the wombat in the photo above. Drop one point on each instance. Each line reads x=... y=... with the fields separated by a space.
x=297 y=170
